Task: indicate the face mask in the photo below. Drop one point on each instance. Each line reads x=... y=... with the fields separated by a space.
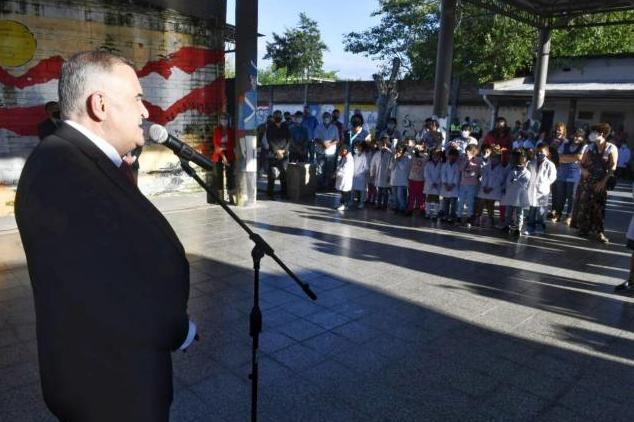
x=298 y=120
x=391 y=126
x=357 y=151
x=224 y=122
x=486 y=155
x=465 y=134
x=593 y=137
x=57 y=115
x=326 y=121
x=541 y=156
x=559 y=134
x=356 y=123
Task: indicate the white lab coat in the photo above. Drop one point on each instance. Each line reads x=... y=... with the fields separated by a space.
x=541 y=179
x=433 y=175
x=517 y=182
x=345 y=174
x=450 y=175
x=380 y=169
x=361 y=170
x=399 y=171
x=492 y=178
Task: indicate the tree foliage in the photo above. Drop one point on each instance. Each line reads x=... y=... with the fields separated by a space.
x=487 y=46
x=299 y=50
x=274 y=76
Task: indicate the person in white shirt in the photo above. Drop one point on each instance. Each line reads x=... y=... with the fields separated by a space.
x=461 y=142
x=345 y=177
x=326 y=140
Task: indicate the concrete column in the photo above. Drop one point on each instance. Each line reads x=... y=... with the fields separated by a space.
x=305 y=95
x=541 y=74
x=444 y=58
x=246 y=100
x=271 y=99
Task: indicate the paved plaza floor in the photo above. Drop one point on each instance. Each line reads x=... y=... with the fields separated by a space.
x=414 y=321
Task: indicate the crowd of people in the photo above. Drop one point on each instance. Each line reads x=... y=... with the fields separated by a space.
x=530 y=176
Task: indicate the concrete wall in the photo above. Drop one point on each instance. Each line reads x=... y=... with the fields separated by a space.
x=180 y=62
x=606 y=69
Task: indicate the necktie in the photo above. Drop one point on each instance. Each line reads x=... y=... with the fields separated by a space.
x=127 y=172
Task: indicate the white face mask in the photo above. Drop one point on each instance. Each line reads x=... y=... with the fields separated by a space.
x=465 y=133
x=593 y=137
x=224 y=122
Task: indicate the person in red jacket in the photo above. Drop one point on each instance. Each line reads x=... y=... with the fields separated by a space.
x=224 y=157
x=501 y=135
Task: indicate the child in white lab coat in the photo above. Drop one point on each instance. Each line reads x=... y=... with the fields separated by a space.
x=380 y=172
x=433 y=182
x=543 y=174
x=361 y=169
x=345 y=176
x=399 y=174
x=450 y=176
x=516 y=192
x=493 y=177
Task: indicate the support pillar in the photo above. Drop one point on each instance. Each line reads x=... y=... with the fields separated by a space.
x=246 y=100
x=541 y=75
x=444 y=58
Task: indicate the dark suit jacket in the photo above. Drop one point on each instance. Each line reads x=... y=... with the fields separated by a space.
x=110 y=282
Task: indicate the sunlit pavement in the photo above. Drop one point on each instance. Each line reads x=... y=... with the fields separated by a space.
x=415 y=321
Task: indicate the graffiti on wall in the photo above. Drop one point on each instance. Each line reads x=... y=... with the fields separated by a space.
x=172 y=86
x=17 y=44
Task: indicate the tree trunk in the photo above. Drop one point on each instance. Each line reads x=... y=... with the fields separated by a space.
x=387 y=95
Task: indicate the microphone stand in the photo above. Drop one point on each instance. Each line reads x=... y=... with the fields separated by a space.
x=260 y=249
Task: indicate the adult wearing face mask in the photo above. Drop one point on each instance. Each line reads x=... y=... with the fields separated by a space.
x=224 y=143
x=598 y=164
x=278 y=140
x=326 y=140
x=390 y=130
x=501 y=136
x=48 y=126
x=357 y=132
x=461 y=142
x=310 y=122
x=299 y=140
x=568 y=174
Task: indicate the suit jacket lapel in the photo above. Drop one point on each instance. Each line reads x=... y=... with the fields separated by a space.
x=118 y=178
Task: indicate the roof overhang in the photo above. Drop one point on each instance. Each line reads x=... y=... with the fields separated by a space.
x=560 y=14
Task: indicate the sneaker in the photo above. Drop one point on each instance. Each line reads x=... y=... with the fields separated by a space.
x=529 y=231
x=602 y=238
x=567 y=221
x=539 y=229
x=626 y=287
x=342 y=208
x=517 y=232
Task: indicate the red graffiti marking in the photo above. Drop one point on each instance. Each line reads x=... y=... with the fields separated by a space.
x=188 y=59
x=22 y=120
x=46 y=70
x=208 y=99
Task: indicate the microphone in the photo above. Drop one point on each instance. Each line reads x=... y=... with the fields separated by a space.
x=159 y=135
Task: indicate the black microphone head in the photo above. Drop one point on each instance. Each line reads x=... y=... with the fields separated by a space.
x=158 y=133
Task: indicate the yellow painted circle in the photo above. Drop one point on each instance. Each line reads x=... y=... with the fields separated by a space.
x=17 y=44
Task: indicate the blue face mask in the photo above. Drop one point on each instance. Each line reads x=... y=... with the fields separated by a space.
x=541 y=156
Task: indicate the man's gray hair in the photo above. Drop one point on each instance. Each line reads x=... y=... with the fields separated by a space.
x=82 y=75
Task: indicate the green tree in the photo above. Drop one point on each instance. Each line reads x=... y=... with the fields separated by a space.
x=274 y=76
x=299 y=50
x=487 y=46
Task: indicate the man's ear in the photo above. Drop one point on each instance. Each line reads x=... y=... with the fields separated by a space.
x=96 y=106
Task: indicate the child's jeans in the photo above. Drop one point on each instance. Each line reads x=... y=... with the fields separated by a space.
x=371 y=193
x=361 y=194
x=383 y=197
x=400 y=192
x=466 y=196
x=416 y=195
x=449 y=207
x=536 y=217
x=518 y=213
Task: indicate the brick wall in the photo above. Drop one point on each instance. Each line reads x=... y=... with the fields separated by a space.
x=180 y=62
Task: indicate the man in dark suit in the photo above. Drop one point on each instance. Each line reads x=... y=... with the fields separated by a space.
x=48 y=126
x=110 y=278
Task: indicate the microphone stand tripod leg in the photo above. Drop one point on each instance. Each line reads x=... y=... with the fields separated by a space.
x=255 y=328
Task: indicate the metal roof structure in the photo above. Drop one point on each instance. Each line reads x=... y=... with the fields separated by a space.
x=562 y=14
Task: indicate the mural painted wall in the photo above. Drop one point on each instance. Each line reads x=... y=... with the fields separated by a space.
x=180 y=62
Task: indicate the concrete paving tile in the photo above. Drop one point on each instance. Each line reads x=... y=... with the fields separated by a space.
x=300 y=330
x=298 y=357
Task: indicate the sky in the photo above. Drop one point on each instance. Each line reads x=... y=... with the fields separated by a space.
x=334 y=17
